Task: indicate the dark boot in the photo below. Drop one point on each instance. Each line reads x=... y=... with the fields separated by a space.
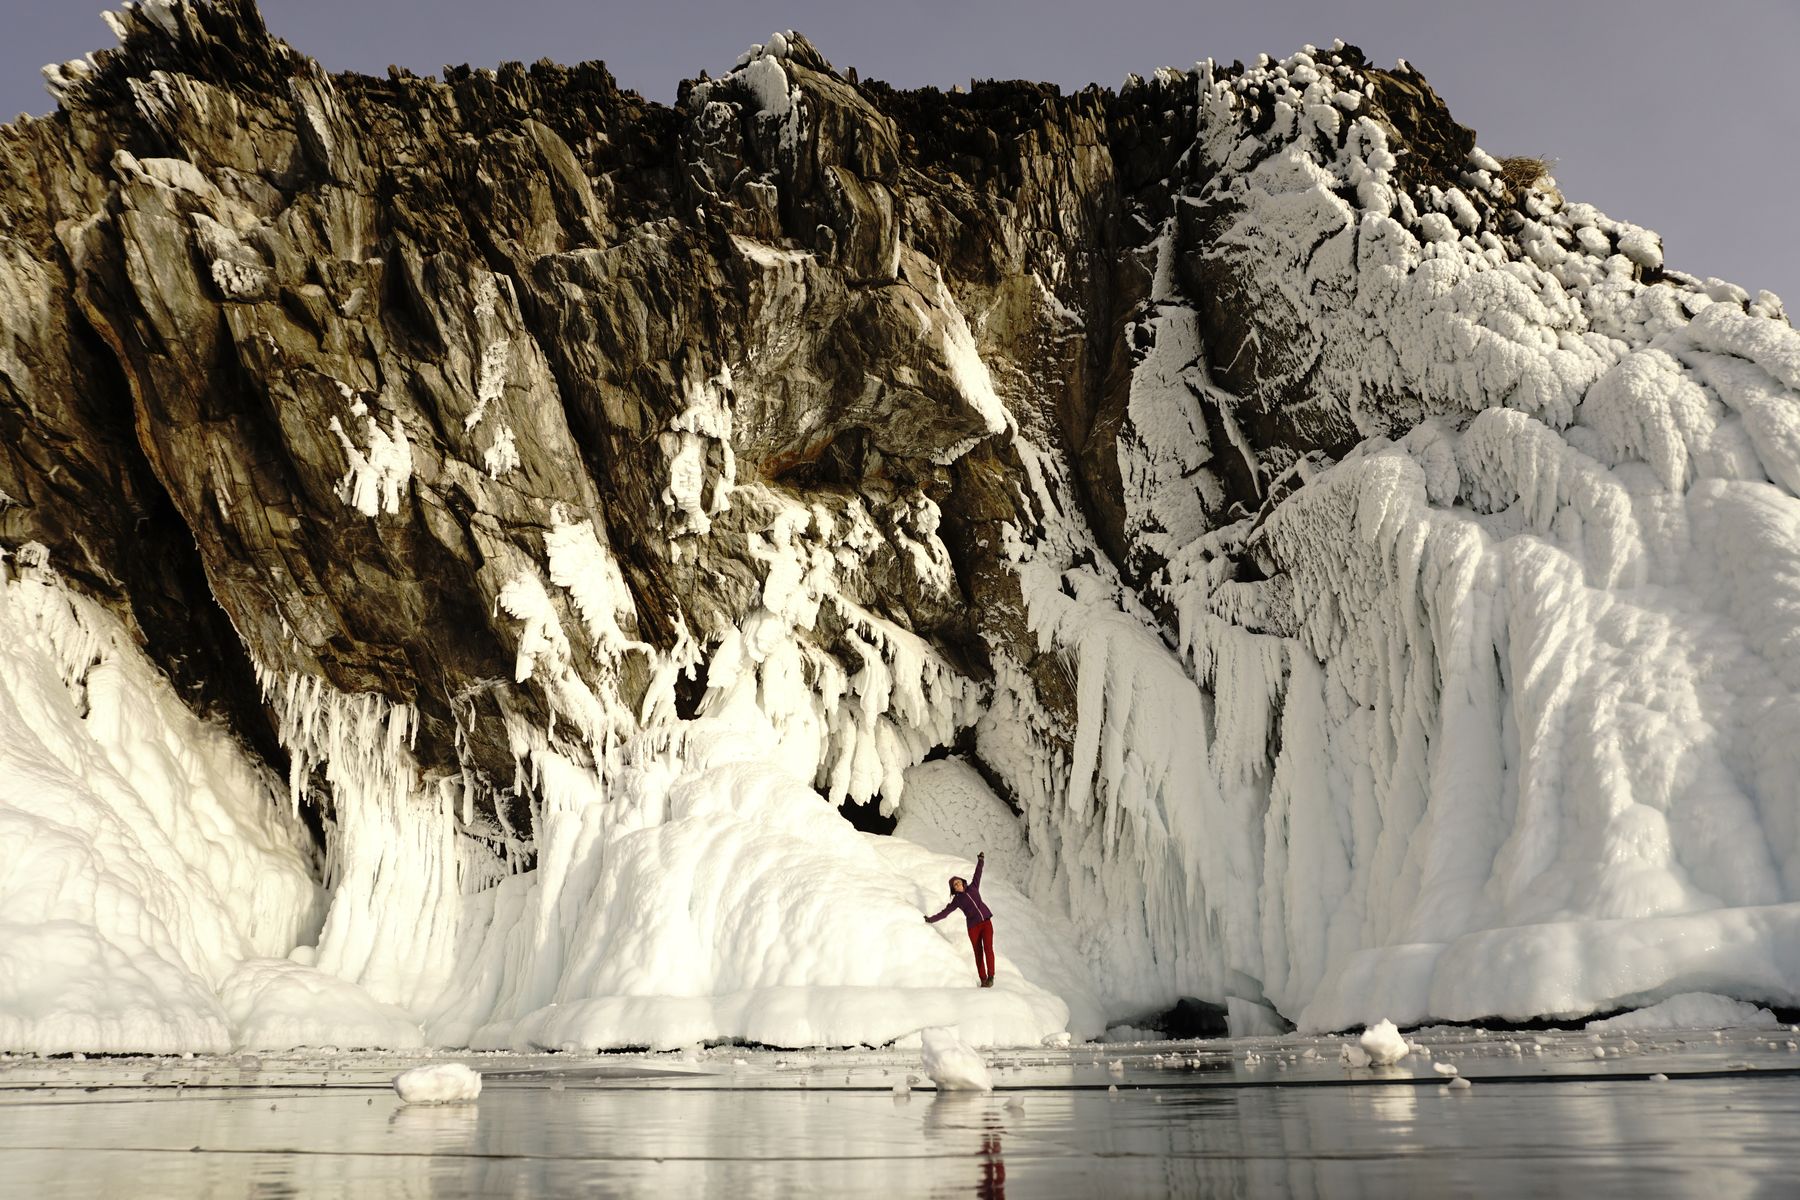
x=988 y=981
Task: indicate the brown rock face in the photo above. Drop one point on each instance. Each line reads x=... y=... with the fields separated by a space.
x=300 y=370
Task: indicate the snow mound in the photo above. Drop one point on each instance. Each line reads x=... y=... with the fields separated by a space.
x=1383 y=1044
x=277 y=1004
x=952 y=1063
x=438 y=1083
x=1692 y=1010
x=779 y=923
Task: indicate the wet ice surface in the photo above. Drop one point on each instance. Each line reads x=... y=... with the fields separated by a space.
x=1546 y=1115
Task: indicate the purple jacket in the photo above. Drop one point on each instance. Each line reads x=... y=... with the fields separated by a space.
x=969 y=900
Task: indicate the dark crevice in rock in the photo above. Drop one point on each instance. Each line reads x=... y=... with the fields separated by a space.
x=868 y=818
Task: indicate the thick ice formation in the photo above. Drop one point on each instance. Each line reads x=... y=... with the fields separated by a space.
x=953 y=1064
x=438 y=1083
x=142 y=856
x=276 y=1004
x=701 y=893
x=1494 y=718
x=1383 y=1044
x=1692 y=1010
x=705 y=894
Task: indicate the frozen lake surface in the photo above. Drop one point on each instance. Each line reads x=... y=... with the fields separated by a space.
x=1547 y=1115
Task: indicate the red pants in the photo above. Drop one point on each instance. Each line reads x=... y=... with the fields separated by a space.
x=982 y=938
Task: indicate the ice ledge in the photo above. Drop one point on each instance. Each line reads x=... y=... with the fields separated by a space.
x=1567 y=969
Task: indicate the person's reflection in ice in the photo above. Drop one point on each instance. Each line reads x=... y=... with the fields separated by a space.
x=975 y=1117
x=993 y=1167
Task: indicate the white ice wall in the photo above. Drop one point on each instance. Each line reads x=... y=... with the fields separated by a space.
x=1510 y=731
x=142 y=854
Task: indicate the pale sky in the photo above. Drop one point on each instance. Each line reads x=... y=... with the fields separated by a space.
x=1680 y=115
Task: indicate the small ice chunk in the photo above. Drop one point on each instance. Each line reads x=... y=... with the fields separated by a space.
x=1384 y=1044
x=1444 y=1068
x=1459 y=1083
x=1058 y=1041
x=439 y=1083
x=952 y=1063
x=1352 y=1055
x=1659 y=1077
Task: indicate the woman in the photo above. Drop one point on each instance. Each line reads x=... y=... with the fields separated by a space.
x=966 y=895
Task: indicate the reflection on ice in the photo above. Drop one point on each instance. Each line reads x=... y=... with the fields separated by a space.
x=973 y=1125
x=1277 y=1117
x=446 y=1128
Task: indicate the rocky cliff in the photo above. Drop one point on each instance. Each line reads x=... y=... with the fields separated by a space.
x=1320 y=551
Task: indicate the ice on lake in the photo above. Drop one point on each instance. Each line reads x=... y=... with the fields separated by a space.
x=1279 y=1116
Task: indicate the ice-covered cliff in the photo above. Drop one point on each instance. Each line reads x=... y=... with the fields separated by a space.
x=496 y=561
